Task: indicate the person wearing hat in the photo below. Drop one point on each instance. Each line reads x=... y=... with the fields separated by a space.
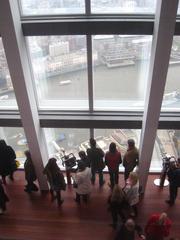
x=82 y=181
x=131 y=158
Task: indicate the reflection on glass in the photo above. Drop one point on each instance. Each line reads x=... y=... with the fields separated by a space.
x=123 y=6
x=167 y=142
x=50 y=7
x=15 y=137
x=69 y=140
x=60 y=71
x=120 y=64
x=171 y=99
x=7 y=96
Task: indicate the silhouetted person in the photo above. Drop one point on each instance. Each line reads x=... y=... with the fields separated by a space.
x=55 y=179
x=113 y=160
x=3 y=199
x=95 y=156
x=131 y=158
x=174 y=182
x=7 y=161
x=30 y=174
x=158 y=227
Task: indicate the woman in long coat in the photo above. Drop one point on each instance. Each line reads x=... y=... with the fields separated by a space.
x=7 y=161
x=55 y=179
x=30 y=173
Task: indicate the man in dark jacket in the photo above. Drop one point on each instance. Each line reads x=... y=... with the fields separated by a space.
x=174 y=182
x=95 y=156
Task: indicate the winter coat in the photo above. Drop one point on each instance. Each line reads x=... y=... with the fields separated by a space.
x=95 y=156
x=7 y=160
x=130 y=160
x=83 y=181
x=30 y=174
x=132 y=193
x=155 y=231
x=55 y=179
x=113 y=160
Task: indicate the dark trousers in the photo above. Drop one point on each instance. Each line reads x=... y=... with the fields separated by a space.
x=114 y=177
x=57 y=196
x=100 y=172
x=173 y=190
x=84 y=197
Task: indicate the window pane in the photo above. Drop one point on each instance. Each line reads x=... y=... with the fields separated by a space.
x=171 y=99
x=123 y=6
x=121 y=64
x=15 y=137
x=50 y=7
x=7 y=96
x=71 y=140
x=167 y=142
x=60 y=71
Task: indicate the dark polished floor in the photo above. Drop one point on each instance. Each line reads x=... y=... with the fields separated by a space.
x=34 y=217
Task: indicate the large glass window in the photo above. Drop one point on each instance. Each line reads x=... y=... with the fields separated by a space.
x=51 y=7
x=7 y=96
x=171 y=99
x=167 y=143
x=60 y=71
x=15 y=137
x=123 y=6
x=70 y=140
x=120 y=64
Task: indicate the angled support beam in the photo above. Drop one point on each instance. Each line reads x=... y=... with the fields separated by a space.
x=164 y=27
x=16 y=53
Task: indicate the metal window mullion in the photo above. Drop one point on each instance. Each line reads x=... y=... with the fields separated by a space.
x=90 y=72
x=88 y=7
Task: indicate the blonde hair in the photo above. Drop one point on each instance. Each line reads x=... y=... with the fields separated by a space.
x=117 y=194
x=133 y=177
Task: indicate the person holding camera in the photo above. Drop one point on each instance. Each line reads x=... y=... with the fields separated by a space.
x=174 y=182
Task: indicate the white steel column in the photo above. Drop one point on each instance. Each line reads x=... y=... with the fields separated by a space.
x=164 y=26
x=18 y=62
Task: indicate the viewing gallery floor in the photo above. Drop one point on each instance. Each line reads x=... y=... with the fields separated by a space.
x=35 y=217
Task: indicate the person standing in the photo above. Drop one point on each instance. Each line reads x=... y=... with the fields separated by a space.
x=158 y=227
x=131 y=158
x=113 y=160
x=7 y=161
x=128 y=230
x=118 y=205
x=30 y=174
x=82 y=181
x=55 y=179
x=174 y=182
x=95 y=156
x=132 y=191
